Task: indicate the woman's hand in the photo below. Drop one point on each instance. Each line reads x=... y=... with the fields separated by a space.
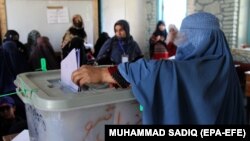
x=87 y=74
x=90 y=74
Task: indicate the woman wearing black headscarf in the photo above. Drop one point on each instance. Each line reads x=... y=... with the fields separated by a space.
x=17 y=62
x=45 y=50
x=12 y=35
x=75 y=38
x=120 y=48
x=100 y=41
x=158 y=37
x=31 y=40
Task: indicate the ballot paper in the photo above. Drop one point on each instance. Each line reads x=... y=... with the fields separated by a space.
x=68 y=65
x=23 y=136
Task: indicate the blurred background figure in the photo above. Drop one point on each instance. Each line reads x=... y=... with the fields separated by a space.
x=103 y=37
x=43 y=49
x=75 y=38
x=31 y=40
x=12 y=35
x=0 y=41
x=171 y=39
x=163 y=47
x=158 y=36
x=10 y=122
x=14 y=64
x=15 y=59
x=245 y=46
x=6 y=75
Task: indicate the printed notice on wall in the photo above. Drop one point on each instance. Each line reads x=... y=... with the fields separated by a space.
x=57 y=14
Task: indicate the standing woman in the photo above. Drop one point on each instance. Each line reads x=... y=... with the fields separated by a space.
x=159 y=36
x=120 y=48
x=75 y=35
x=200 y=86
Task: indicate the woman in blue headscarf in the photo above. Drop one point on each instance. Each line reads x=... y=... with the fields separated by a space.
x=199 y=87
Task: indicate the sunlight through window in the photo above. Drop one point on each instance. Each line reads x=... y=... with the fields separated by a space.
x=173 y=11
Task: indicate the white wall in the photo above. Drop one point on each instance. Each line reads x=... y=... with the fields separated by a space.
x=134 y=11
x=26 y=15
x=112 y=11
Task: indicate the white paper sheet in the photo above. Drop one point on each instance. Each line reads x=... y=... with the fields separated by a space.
x=88 y=46
x=57 y=15
x=68 y=65
x=23 y=136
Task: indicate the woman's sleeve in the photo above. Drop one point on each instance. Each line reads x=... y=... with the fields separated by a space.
x=171 y=48
x=116 y=75
x=135 y=72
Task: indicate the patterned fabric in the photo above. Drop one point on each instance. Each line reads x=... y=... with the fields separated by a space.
x=117 y=77
x=75 y=37
x=160 y=51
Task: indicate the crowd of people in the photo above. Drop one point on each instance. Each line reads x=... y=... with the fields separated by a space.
x=161 y=84
x=199 y=86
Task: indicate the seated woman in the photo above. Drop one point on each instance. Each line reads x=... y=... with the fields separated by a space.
x=45 y=50
x=100 y=41
x=120 y=48
x=10 y=122
x=31 y=40
x=12 y=35
x=17 y=62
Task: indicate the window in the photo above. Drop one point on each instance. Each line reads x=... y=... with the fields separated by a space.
x=172 y=11
x=244 y=23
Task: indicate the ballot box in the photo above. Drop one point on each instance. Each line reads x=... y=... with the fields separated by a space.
x=55 y=113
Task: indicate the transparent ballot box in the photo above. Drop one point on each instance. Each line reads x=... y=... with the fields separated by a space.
x=55 y=113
